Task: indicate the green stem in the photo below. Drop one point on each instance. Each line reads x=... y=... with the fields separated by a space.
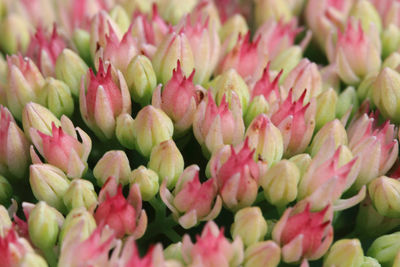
x=51 y=257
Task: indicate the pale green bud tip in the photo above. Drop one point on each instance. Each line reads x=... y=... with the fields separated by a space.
x=76 y=216
x=43 y=226
x=80 y=193
x=147 y=180
x=262 y=254
x=385 y=248
x=5 y=191
x=167 y=161
x=15 y=34
x=385 y=195
x=5 y=221
x=124 y=130
x=345 y=252
x=250 y=225
x=326 y=108
x=113 y=163
x=58 y=97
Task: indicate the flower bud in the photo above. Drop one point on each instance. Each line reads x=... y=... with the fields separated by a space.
x=15 y=34
x=141 y=79
x=267 y=9
x=345 y=252
x=5 y=221
x=38 y=117
x=305 y=77
x=81 y=39
x=167 y=161
x=58 y=97
x=151 y=127
x=384 y=193
x=230 y=31
x=287 y=60
x=385 y=248
x=147 y=180
x=113 y=163
x=262 y=254
x=390 y=40
x=80 y=193
x=357 y=55
x=49 y=184
x=33 y=260
x=44 y=223
x=385 y=93
x=258 y=105
x=70 y=68
x=124 y=130
x=280 y=183
x=250 y=225
x=302 y=162
x=78 y=216
x=214 y=126
x=266 y=139
x=174 y=252
x=192 y=201
x=173 y=11
x=121 y=17
x=326 y=108
x=5 y=191
x=333 y=129
x=25 y=83
x=102 y=99
x=367 y=14
x=228 y=82
x=14 y=147
x=304 y=235
x=347 y=100
x=296 y=123
x=62 y=149
x=371 y=262
x=173 y=48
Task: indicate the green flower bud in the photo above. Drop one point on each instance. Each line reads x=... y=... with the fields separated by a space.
x=141 y=79
x=333 y=129
x=15 y=34
x=266 y=139
x=147 y=180
x=250 y=225
x=43 y=224
x=113 y=163
x=81 y=39
x=385 y=195
x=38 y=117
x=326 y=108
x=124 y=130
x=371 y=262
x=347 y=100
x=385 y=248
x=390 y=39
x=302 y=162
x=271 y=9
x=74 y=217
x=392 y=61
x=57 y=97
x=80 y=193
x=49 y=184
x=228 y=82
x=345 y=252
x=287 y=60
x=5 y=191
x=365 y=12
x=151 y=127
x=386 y=93
x=280 y=183
x=167 y=161
x=173 y=10
x=5 y=221
x=173 y=48
x=70 y=68
x=121 y=18
x=262 y=254
x=364 y=90
x=229 y=33
x=32 y=260
x=174 y=252
x=256 y=106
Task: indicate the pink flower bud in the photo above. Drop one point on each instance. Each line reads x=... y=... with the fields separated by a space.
x=179 y=99
x=374 y=145
x=245 y=58
x=357 y=55
x=237 y=177
x=124 y=216
x=305 y=235
x=296 y=122
x=212 y=249
x=191 y=201
x=276 y=37
x=102 y=99
x=14 y=157
x=206 y=45
x=215 y=126
x=62 y=149
x=44 y=50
